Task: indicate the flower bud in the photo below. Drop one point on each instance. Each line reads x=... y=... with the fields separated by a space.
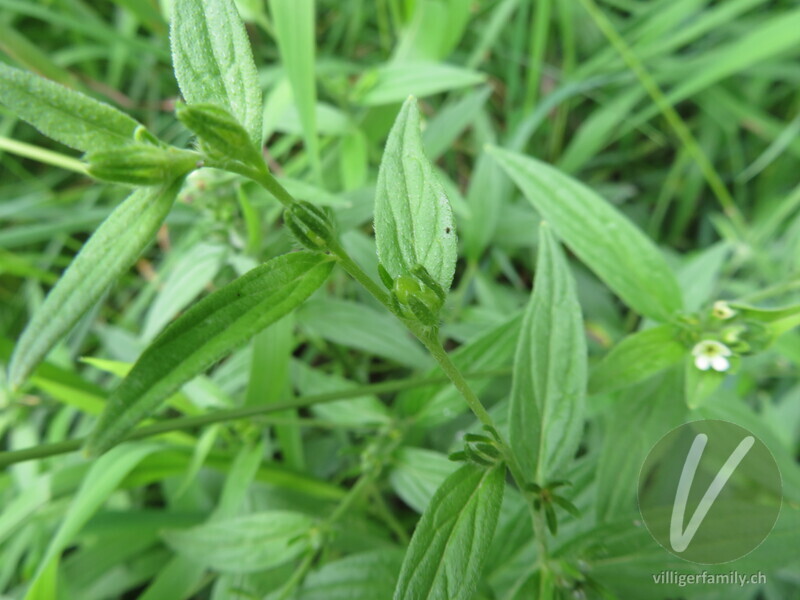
x=311 y=225
x=419 y=296
x=220 y=134
x=140 y=164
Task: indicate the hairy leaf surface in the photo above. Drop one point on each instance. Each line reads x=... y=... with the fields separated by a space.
x=413 y=220
x=205 y=333
x=111 y=250
x=603 y=238
x=549 y=383
x=65 y=115
x=213 y=60
x=450 y=543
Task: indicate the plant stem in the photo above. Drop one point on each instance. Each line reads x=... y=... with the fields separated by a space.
x=434 y=346
x=42 y=155
x=234 y=414
x=429 y=337
x=357 y=273
x=364 y=483
x=259 y=174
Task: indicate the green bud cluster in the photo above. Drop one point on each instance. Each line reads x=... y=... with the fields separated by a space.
x=742 y=332
x=140 y=164
x=545 y=500
x=479 y=449
x=220 y=134
x=311 y=225
x=416 y=296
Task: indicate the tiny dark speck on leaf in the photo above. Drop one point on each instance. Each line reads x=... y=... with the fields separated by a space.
x=447 y=230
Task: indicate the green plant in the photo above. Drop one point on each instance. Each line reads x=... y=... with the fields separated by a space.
x=524 y=442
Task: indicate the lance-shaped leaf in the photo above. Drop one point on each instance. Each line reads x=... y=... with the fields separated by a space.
x=637 y=357
x=778 y=320
x=446 y=554
x=111 y=250
x=204 y=334
x=602 y=237
x=549 y=381
x=244 y=544
x=413 y=219
x=213 y=60
x=63 y=114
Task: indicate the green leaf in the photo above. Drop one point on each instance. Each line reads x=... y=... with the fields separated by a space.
x=244 y=544
x=361 y=327
x=203 y=334
x=636 y=358
x=187 y=277
x=417 y=473
x=213 y=60
x=446 y=554
x=639 y=415
x=364 y=576
x=111 y=250
x=102 y=479
x=63 y=114
x=293 y=23
x=779 y=320
x=549 y=383
x=413 y=220
x=395 y=81
x=613 y=247
x=700 y=386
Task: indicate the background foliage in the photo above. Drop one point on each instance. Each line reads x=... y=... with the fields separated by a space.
x=681 y=115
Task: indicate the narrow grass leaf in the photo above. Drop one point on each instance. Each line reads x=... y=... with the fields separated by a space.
x=293 y=23
x=446 y=554
x=190 y=274
x=63 y=114
x=102 y=479
x=244 y=544
x=213 y=60
x=637 y=357
x=413 y=219
x=549 y=383
x=205 y=333
x=111 y=250
x=603 y=238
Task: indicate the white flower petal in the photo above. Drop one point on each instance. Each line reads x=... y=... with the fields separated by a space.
x=720 y=363
x=702 y=362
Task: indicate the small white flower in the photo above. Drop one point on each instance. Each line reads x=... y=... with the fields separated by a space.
x=722 y=310
x=710 y=354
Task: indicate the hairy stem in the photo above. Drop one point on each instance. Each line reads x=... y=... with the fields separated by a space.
x=430 y=339
x=234 y=414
